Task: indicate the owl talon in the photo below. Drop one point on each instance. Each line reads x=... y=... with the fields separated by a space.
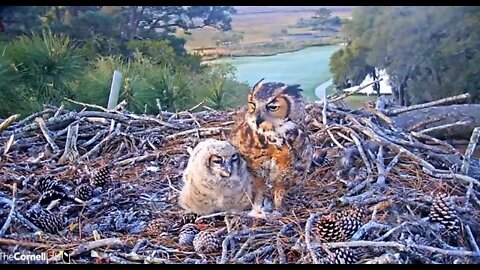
x=257 y=212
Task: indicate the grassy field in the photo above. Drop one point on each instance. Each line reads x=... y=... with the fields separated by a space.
x=259 y=24
x=353 y=101
x=358 y=101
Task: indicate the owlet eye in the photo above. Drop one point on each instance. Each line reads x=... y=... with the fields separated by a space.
x=235 y=157
x=217 y=160
x=273 y=107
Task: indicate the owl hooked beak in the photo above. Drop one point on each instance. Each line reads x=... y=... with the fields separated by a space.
x=259 y=120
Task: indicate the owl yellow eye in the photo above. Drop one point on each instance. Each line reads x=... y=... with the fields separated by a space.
x=273 y=107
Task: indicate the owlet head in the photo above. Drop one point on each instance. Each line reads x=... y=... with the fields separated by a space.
x=220 y=157
x=271 y=105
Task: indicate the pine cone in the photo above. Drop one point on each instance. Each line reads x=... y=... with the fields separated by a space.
x=236 y=223
x=206 y=242
x=101 y=178
x=51 y=195
x=356 y=212
x=156 y=226
x=443 y=211
x=328 y=229
x=189 y=218
x=84 y=192
x=46 y=220
x=51 y=189
x=341 y=256
x=45 y=183
x=349 y=226
x=187 y=234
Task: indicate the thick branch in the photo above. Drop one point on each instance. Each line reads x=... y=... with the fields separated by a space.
x=400 y=247
x=71 y=152
x=439 y=102
x=8 y=121
x=470 y=149
x=46 y=134
x=353 y=92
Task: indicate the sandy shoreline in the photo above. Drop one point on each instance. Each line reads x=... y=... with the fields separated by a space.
x=210 y=61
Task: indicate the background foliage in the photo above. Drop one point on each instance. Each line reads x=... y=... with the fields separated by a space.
x=429 y=52
x=52 y=52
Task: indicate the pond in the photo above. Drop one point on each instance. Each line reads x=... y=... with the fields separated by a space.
x=307 y=67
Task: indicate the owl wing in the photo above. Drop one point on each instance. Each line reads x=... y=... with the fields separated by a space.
x=299 y=142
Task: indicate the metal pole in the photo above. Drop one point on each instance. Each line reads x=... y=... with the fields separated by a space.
x=115 y=89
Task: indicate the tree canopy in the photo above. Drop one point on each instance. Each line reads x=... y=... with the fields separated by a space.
x=429 y=52
x=103 y=26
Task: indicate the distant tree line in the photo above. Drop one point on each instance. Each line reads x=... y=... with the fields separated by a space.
x=429 y=52
x=322 y=20
x=52 y=52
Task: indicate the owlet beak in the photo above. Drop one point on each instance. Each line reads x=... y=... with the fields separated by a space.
x=225 y=173
x=226 y=170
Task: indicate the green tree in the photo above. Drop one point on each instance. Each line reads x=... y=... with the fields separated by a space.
x=429 y=52
x=140 y=19
x=106 y=30
x=323 y=15
x=19 y=20
x=53 y=52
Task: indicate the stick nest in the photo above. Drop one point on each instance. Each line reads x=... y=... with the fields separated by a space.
x=133 y=216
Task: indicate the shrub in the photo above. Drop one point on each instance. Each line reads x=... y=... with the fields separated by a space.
x=143 y=82
x=220 y=88
x=11 y=101
x=45 y=64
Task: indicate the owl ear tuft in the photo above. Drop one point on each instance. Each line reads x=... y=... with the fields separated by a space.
x=257 y=85
x=293 y=90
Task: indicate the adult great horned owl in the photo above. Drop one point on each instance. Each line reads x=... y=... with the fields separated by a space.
x=216 y=179
x=272 y=138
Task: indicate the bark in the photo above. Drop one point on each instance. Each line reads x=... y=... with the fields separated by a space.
x=401 y=95
x=133 y=25
x=376 y=86
x=469 y=113
x=58 y=14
